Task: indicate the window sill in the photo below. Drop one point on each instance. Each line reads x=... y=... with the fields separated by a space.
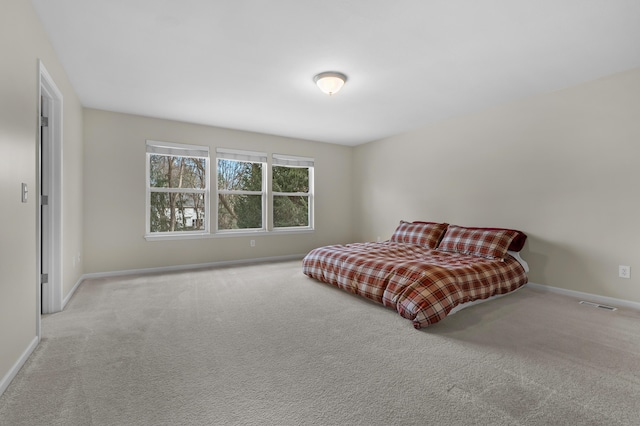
x=227 y=234
x=177 y=236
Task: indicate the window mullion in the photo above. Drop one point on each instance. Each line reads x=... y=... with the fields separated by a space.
x=266 y=217
x=179 y=190
x=290 y=194
x=238 y=192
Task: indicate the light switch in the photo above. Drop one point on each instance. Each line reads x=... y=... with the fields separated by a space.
x=25 y=192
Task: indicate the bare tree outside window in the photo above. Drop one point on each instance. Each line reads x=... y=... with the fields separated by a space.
x=177 y=193
x=249 y=196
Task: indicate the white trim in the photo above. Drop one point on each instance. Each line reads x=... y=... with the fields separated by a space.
x=227 y=233
x=186 y=235
x=292 y=161
x=167 y=190
x=52 y=299
x=177 y=149
x=13 y=371
x=290 y=194
x=292 y=230
x=310 y=194
x=612 y=301
x=240 y=155
x=247 y=157
x=192 y=266
x=239 y=192
x=72 y=292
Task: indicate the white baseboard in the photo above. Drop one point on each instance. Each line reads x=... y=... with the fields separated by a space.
x=192 y=266
x=577 y=294
x=11 y=374
x=175 y=268
x=611 y=301
x=73 y=290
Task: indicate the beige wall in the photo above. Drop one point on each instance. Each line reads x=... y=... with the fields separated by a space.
x=563 y=167
x=115 y=194
x=22 y=43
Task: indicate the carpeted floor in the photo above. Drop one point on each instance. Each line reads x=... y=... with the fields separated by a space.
x=264 y=345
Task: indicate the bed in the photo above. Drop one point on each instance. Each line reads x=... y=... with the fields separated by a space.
x=425 y=270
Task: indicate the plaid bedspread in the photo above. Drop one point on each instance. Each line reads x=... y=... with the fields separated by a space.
x=423 y=285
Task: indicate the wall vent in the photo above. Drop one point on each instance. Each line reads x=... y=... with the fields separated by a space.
x=597 y=305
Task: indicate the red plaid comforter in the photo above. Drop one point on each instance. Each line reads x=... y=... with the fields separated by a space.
x=422 y=284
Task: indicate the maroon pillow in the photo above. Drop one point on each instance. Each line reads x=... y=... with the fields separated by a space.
x=488 y=243
x=518 y=241
x=426 y=234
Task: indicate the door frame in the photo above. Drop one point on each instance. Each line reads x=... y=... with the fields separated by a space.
x=50 y=294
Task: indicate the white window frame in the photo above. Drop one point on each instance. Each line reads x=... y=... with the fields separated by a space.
x=249 y=157
x=283 y=160
x=177 y=150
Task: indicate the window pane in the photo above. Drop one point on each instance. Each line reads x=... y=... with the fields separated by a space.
x=239 y=175
x=290 y=211
x=239 y=211
x=290 y=179
x=171 y=212
x=177 y=172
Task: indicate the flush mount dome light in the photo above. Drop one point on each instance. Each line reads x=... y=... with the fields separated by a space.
x=330 y=82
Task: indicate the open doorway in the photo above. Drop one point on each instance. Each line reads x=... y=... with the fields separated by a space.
x=50 y=196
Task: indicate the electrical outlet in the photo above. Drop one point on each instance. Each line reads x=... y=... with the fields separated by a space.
x=624 y=271
x=252 y=243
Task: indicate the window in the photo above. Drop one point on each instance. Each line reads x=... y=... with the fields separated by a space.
x=249 y=196
x=241 y=190
x=177 y=188
x=292 y=187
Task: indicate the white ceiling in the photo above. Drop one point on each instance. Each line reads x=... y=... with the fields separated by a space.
x=249 y=64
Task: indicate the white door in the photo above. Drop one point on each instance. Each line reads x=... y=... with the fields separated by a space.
x=50 y=211
x=45 y=219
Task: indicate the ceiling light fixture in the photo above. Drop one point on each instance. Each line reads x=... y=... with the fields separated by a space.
x=330 y=82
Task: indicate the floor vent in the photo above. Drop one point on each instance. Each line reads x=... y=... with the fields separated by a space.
x=597 y=305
